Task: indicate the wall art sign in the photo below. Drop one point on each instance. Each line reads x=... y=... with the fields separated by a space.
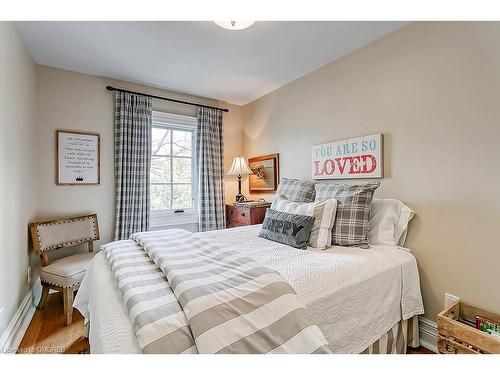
x=266 y=173
x=359 y=157
x=77 y=158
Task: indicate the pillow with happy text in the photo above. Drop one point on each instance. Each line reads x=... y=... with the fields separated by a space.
x=286 y=228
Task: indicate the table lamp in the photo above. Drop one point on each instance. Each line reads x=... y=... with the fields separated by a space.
x=239 y=168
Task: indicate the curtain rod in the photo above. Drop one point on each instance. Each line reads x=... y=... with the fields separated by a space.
x=111 y=88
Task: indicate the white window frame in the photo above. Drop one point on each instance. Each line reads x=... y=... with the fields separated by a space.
x=166 y=217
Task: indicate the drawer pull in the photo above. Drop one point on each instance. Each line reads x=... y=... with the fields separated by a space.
x=243 y=214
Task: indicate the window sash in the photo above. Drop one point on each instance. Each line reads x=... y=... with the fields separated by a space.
x=179 y=123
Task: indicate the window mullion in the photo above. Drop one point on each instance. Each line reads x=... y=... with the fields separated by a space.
x=193 y=169
x=171 y=169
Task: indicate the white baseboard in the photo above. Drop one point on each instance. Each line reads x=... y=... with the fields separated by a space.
x=14 y=333
x=428 y=334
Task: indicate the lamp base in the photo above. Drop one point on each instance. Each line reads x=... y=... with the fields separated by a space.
x=240 y=197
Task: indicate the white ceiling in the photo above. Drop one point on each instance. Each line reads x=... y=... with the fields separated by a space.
x=198 y=58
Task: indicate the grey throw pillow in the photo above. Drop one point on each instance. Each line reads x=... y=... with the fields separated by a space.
x=295 y=190
x=352 y=222
x=289 y=229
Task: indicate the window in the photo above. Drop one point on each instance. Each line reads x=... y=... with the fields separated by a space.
x=173 y=170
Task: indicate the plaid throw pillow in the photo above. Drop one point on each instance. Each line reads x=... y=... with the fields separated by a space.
x=295 y=190
x=352 y=222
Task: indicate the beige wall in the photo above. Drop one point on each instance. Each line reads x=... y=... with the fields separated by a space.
x=233 y=130
x=17 y=167
x=433 y=90
x=69 y=100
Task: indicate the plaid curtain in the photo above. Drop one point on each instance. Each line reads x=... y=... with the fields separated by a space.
x=133 y=115
x=210 y=162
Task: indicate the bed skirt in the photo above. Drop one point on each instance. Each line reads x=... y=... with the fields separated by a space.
x=395 y=341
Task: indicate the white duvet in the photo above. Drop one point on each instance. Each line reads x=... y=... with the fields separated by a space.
x=354 y=295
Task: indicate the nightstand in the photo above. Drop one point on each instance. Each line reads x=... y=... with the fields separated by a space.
x=241 y=216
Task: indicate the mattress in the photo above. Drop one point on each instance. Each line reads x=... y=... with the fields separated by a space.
x=354 y=295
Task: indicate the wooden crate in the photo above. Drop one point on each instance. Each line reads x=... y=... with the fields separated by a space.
x=455 y=337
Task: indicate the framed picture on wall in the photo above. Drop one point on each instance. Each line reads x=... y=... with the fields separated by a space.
x=360 y=157
x=77 y=158
x=266 y=173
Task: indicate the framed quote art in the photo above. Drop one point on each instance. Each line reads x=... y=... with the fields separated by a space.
x=77 y=158
x=359 y=157
x=265 y=175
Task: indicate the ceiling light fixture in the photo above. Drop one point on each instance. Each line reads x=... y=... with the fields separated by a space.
x=234 y=25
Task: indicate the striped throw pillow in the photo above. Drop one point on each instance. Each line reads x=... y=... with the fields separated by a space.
x=324 y=217
x=352 y=222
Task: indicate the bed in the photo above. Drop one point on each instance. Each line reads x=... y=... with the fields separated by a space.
x=363 y=300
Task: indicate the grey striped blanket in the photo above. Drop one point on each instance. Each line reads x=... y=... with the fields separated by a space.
x=188 y=295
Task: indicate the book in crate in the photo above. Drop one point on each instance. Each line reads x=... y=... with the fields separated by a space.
x=457 y=332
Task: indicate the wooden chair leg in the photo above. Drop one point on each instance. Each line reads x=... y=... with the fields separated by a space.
x=68 y=304
x=43 y=298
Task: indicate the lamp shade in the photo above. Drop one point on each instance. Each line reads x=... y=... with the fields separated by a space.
x=239 y=167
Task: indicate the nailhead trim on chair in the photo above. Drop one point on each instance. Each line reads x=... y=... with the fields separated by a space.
x=86 y=239
x=60 y=286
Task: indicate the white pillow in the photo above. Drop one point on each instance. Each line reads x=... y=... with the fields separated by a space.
x=324 y=217
x=388 y=222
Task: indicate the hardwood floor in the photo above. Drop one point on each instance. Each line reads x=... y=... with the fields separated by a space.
x=419 y=350
x=48 y=333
